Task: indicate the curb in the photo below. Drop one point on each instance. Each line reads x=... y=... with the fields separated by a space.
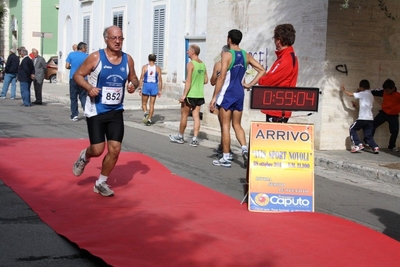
x=376 y=174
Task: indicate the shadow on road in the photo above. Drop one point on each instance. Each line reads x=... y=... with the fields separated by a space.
x=390 y=220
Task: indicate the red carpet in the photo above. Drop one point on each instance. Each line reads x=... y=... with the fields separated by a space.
x=159 y=219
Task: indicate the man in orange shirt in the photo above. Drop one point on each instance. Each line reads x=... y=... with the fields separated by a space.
x=389 y=112
x=285 y=69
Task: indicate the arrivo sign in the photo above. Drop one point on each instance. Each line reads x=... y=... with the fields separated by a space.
x=284 y=98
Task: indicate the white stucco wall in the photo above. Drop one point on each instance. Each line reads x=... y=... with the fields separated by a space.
x=31 y=24
x=181 y=19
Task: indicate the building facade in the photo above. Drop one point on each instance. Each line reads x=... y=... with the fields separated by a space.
x=334 y=45
x=33 y=24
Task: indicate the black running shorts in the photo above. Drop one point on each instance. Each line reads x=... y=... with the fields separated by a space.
x=195 y=101
x=108 y=125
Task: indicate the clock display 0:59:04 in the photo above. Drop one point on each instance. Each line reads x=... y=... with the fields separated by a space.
x=285 y=98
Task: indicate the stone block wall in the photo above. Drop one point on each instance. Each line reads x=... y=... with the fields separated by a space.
x=363 y=42
x=257 y=20
x=361 y=39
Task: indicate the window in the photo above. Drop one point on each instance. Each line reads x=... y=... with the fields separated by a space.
x=118 y=19
x=158 y=34
x=86 y=31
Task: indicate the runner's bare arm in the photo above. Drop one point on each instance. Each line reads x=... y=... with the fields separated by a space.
x=257 y=66
x=160 y=84
x=226 y=59
x=133 y=81
x=205 y=77
x=188 y=81
x=215 y=73
x=144 y=68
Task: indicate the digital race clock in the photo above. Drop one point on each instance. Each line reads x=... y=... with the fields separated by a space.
x=284 y=98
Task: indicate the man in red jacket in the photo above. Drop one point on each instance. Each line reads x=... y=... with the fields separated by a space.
x=285 y=69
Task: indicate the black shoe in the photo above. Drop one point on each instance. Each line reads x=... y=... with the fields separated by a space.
x=37 y=103
x=245 y=155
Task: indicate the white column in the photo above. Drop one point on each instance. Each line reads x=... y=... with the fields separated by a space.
x=7 y=30
x=31 y=22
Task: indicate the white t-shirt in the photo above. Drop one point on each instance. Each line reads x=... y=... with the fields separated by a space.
x=366 y=102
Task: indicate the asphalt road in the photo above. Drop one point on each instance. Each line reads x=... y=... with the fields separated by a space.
x=26 y=241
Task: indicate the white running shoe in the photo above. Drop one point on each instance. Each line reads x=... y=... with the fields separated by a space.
x=145 y=119
x=355 y=149
x=103 y=189
x=80 y=164
x=176 y=139
x=222 y=162
x=194 y=143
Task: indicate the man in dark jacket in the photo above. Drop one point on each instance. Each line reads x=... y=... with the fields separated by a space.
x=40 y=73
x=11 y=71
x=26 y=73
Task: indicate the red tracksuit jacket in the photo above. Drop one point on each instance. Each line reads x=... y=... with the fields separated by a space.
x=283 y=72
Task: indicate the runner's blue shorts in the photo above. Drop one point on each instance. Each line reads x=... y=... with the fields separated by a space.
x=231 y=103
x=150 y=89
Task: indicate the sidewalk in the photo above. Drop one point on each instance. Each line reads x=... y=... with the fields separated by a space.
x=384 y=167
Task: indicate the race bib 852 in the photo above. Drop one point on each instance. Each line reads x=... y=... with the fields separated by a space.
x=111 y=95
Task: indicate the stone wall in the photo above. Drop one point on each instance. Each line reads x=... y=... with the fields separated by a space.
x=365 y=42
x=257 y=20
x=329 y=40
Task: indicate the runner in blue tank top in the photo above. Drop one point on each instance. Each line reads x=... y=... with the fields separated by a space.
x=111 y=79
x=232 y=90
x=150 y=86
x=228 y=95
x=109 y=69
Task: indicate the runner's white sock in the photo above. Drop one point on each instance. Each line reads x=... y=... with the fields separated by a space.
x=101 y=179
x=226 y=156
